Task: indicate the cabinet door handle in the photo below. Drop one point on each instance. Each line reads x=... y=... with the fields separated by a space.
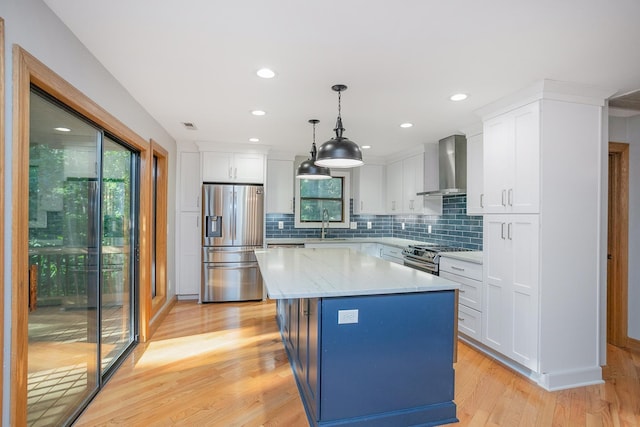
x=411 y=204
x=504 y=197
x=482 y=200
x=461 y=319
x=361 y=205
x=291 y=205
x=198 y=202
x=502 y=230
x=235 y=173
x=510 y=198
x=509 y=234
x=462 y=291
x=230 y=170
x=453 y=267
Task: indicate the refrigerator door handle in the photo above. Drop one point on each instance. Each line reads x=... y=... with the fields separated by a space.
x=234 y=216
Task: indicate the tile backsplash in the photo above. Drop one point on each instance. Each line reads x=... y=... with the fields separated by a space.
x=452 y=228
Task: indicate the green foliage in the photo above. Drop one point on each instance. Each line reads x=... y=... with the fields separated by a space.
x=318 y=195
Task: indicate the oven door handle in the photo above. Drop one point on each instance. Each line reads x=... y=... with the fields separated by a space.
x=419 y=265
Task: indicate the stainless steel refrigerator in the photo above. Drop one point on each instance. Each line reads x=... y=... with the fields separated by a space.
x=233 y=217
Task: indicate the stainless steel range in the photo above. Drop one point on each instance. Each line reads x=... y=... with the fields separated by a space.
x=426 y=257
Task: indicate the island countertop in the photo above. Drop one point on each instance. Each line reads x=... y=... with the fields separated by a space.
x=337 y=272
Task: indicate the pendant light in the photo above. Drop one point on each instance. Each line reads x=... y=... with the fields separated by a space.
x=308 y=169
x=339 y=152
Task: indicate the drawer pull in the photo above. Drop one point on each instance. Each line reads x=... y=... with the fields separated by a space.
x=453 y=267
x=461 y=319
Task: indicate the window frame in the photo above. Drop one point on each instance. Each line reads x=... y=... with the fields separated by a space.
x=346 y=200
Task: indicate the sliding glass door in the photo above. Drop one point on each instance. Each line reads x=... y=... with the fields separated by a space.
x=82 y=240
x=118 y=268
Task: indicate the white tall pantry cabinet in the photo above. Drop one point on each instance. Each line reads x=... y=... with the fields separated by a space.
x=188 y=217
x=543 y=162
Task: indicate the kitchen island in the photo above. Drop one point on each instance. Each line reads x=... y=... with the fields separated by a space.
x=370 y=342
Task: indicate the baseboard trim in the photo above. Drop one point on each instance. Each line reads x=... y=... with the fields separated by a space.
x=570 y=379
x=633 y=344
x=162 y=313
x=550 y=381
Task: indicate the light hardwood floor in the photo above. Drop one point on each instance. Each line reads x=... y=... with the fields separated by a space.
x=224 y=365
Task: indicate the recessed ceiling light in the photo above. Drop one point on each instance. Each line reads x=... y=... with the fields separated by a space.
x=254 y=140
x=366 y=147
x=265 y=73
x=406 y=125
x=258 y=112
x=458 y=97
x=62 y=129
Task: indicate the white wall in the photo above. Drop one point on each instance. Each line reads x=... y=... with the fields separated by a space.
x=628 y=130
x=32 y=25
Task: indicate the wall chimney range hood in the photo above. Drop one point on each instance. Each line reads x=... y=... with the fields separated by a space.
x=452 y=164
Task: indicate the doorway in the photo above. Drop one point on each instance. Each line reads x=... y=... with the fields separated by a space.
x=618 y=245
x=82 y=241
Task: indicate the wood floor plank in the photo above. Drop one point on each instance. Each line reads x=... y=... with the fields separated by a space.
x=225 y=365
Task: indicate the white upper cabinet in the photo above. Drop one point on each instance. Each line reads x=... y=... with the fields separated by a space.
x=511 y=163
x=190 y=183
x=394 y=188
x=280 y=186
x=368 y=190
x=406 y=178
x=232 y=167
x=475 y=179
x=413 y=182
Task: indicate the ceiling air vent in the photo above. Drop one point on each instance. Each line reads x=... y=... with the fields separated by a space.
x=189 y=126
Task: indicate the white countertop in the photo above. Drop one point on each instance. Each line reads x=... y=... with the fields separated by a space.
x=470 y=256
x=316 y=273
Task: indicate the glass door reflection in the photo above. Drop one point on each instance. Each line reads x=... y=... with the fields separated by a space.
x=63 y=257
x=118 y=248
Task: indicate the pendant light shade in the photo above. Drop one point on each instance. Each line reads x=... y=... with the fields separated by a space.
x=339 y=152
x=308 y=169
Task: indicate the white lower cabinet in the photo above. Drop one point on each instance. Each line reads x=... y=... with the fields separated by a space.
x=189 y=242
x=469 y=276
x=329 y=244
x=370 y=249
x=391 y=253
x=510 y=300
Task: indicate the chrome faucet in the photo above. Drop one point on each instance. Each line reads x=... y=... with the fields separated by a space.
x=325 y=217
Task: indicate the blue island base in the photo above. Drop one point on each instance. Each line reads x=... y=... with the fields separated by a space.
x=374 y=360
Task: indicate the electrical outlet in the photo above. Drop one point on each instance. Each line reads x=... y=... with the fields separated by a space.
x=347 y=316
x=368 y=225
x=429 y=229
x=280 y=225
x=354 y=225
x=402 y=225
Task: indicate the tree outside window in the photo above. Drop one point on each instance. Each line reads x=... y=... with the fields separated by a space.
x=318 y=195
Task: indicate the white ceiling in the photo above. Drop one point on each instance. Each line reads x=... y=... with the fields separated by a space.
x=195 y=61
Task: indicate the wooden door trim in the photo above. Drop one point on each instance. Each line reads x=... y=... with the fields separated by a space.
x=28 y=70
x=155 y=304
x=620 y=251
x=2 y=172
